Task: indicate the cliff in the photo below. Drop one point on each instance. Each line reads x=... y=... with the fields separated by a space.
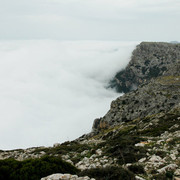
x=159 y=95
x=148 y=60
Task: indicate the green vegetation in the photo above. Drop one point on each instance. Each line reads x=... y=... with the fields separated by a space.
x=65 y=148
x=108 y=173
x=163 y=125
x=79 y=156
x=153 y=72
x=165 y=176
x=33 y=169
x=137 y=169
x=169 y=80
x=124 y=149
x=122 y=145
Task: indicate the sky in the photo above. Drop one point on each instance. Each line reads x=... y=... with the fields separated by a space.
x=124 y=20
x=57 y=57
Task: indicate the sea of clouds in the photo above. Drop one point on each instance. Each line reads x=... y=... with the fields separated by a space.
x=51 y=91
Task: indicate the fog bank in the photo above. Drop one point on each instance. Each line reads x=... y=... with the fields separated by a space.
x=51 y=91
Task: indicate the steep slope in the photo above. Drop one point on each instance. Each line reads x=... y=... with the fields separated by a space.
x=149 y=60
x=159 y=95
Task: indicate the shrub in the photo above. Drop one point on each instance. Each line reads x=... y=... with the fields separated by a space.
x=137 y=169
x=123 y=148
x=108 y=173
x=163 y=176
x=33 y=169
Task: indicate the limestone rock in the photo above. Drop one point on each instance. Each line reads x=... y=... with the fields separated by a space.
x=177 y=172
x=56 y=144
x=69 y=161
x=59 y=176
x=170 y=167
x=149 y=60
x=159 y=95
x=176 y=178
x=156 y=159
x=99 y=152
x=142 y=160
x=139 y=178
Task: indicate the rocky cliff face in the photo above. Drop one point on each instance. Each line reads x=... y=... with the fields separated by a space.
x=154 y=72
x=148 y=60
x=159 y=95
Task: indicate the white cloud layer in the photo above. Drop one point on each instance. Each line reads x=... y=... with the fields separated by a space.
x=155 y=20
x=51 y=91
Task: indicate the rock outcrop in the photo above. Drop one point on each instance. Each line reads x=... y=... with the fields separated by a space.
x=149 y=60
x=65 y=177
x=159 y=95
x=155 y=95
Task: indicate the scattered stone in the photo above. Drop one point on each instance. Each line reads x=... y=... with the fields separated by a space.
x=59 y=176
x=156 y=159
x=142 y=160
x=69 y=161
x=56 y=144
x=65 y=157
x=177 y=172
x=172 y=156
x=99 y=152
x=139 y=178
x=84 y=152
x=176 y=178
x=170 y=167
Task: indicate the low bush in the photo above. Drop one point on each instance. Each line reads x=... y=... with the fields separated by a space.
x=108 y=173
x=64 y=148
x=124 y=149
x=137 y=169
x=164 y=176
x=33 y=169
x=164 y=124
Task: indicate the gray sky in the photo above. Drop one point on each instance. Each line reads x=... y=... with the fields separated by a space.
x=134 y=20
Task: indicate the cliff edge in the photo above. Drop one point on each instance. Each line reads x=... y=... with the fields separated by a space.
x=148 y=60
